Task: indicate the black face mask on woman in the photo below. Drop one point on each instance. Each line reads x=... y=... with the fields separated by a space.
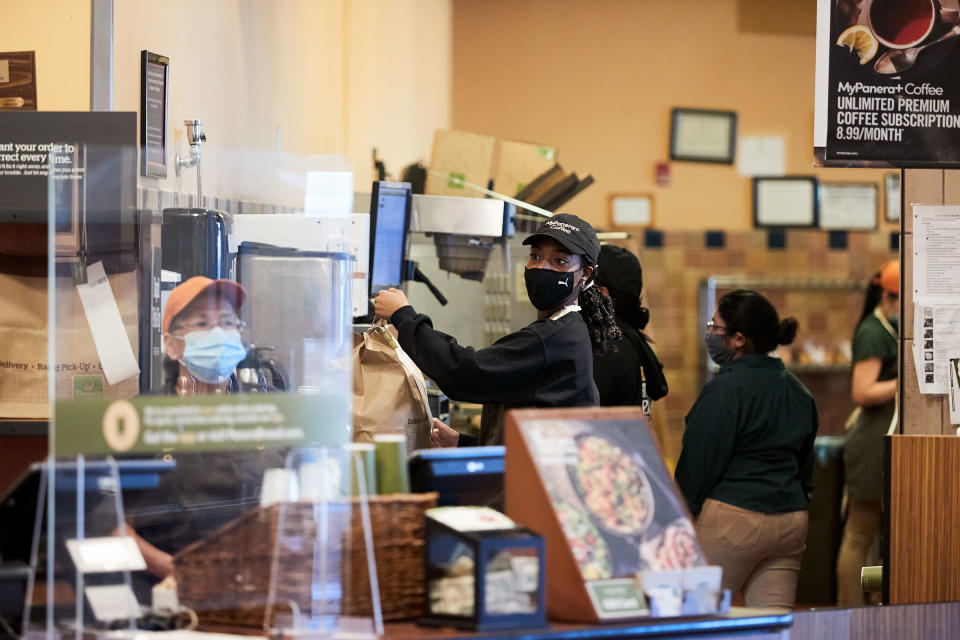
x=548 y=289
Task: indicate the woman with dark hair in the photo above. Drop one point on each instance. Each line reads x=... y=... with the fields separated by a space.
x=631 y=375
x=746 y=465
x=873 y=389
x=548 y=363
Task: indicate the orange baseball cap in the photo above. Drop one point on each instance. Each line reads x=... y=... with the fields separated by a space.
x=186 y=292
x=889 y=277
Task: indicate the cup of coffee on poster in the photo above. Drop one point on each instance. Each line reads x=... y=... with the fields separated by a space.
x=902 y=24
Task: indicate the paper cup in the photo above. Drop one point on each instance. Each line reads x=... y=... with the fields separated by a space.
x=363 y=453
x=391 y=457
x=320 y=479
x=279 y=485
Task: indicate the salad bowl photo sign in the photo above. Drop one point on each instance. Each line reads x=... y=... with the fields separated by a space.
x=594 y=484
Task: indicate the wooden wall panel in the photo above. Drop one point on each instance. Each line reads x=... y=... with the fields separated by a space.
x=904 y=622
x=924 y=519
x=921 y=186
x=951 y=187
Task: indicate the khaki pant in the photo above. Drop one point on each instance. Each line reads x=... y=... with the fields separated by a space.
x=862 y=526
x=760 y=553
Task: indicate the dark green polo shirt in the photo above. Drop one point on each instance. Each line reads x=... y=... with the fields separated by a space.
x=749 y=439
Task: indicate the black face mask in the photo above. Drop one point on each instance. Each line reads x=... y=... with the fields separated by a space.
x=548 y=289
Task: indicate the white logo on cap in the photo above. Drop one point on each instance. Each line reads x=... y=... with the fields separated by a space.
x=562 y=226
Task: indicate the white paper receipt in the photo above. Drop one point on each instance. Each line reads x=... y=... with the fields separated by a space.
x=106 y=325
x=106 y=554
x=471 y=518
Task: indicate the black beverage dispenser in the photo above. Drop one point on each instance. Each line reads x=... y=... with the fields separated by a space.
x=195 y=243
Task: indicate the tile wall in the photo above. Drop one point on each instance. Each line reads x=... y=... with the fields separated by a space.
x=676 y=263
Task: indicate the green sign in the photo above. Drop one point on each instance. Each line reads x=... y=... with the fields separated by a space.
x=546 y=152
x=617 y=598
x=87 y=387
x=456 y=180
x=151 y=424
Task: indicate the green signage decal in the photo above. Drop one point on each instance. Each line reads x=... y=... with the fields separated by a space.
x=456 y=180
x=87 y=387
x=617 y=598
x=545 y=152
x=151 y=424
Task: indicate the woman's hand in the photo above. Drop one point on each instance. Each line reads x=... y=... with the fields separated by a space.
x=387 y=302
x=443 y=436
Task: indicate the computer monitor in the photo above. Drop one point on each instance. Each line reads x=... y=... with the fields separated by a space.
x=389 y=222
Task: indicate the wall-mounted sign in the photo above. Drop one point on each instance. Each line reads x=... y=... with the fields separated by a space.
x=888 y=91
x=154 y=76
x=849 y=206
x=785 y=202
x=702 y=135
x=18 y=81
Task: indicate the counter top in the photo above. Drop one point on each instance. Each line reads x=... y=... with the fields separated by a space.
x=754 y=622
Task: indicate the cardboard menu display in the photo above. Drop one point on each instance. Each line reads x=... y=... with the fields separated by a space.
x=593 y=483
x=459 y=156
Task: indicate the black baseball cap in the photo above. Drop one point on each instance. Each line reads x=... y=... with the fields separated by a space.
x=620 y=271
x=574 y=233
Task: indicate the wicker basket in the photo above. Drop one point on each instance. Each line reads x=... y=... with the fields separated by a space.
x=225 y=578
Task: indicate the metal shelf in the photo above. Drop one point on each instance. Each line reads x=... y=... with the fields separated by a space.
x=734 y=282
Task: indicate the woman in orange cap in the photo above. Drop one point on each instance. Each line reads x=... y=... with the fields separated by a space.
x=874 y=391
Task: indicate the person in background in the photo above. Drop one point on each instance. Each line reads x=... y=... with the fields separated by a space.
x=746 y=466
x=548 y=363
x=631 y=375
x=201 y=337
x=873 y=390
x=203 y=347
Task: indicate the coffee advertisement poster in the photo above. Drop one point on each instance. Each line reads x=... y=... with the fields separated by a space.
x=613 y=496
x=894 y=82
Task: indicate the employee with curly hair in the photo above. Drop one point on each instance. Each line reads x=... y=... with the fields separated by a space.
x=548 y=363
x=746 y=467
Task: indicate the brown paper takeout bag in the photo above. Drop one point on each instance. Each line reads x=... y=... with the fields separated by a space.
x=389 y=393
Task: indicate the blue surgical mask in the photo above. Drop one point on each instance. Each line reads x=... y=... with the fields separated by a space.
x=212 y=355
x=719 y=353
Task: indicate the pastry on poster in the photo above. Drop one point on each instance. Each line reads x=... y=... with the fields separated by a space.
x=675 y=548
x=897 y=38
x=612 y=486
x=588 y=546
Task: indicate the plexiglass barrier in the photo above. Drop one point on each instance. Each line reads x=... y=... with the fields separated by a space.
x=220 y=493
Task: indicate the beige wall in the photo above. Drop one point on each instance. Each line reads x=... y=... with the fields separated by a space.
x=59 y=32
x=598 y=79
x=272 y=81
x=275 y=82
x=398 y=81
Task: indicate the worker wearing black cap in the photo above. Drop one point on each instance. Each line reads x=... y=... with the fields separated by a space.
x=631 y=375
x=548 y=363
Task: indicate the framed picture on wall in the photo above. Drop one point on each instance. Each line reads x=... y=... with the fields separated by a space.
x=848 y=206
x=631 y=209
x=154 y=78
x=785 y=202
x=703 y=135
x=891 y=197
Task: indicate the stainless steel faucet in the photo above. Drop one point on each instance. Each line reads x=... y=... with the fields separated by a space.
x=196 y=138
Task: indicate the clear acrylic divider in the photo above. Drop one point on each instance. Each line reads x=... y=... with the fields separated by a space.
x=158 y=498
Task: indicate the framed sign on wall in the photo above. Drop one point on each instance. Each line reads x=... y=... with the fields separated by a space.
x=785 y=202
x=154 y=77
x=849 y=206
x=703 y=135
x=891 y=192
x=631 y=209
